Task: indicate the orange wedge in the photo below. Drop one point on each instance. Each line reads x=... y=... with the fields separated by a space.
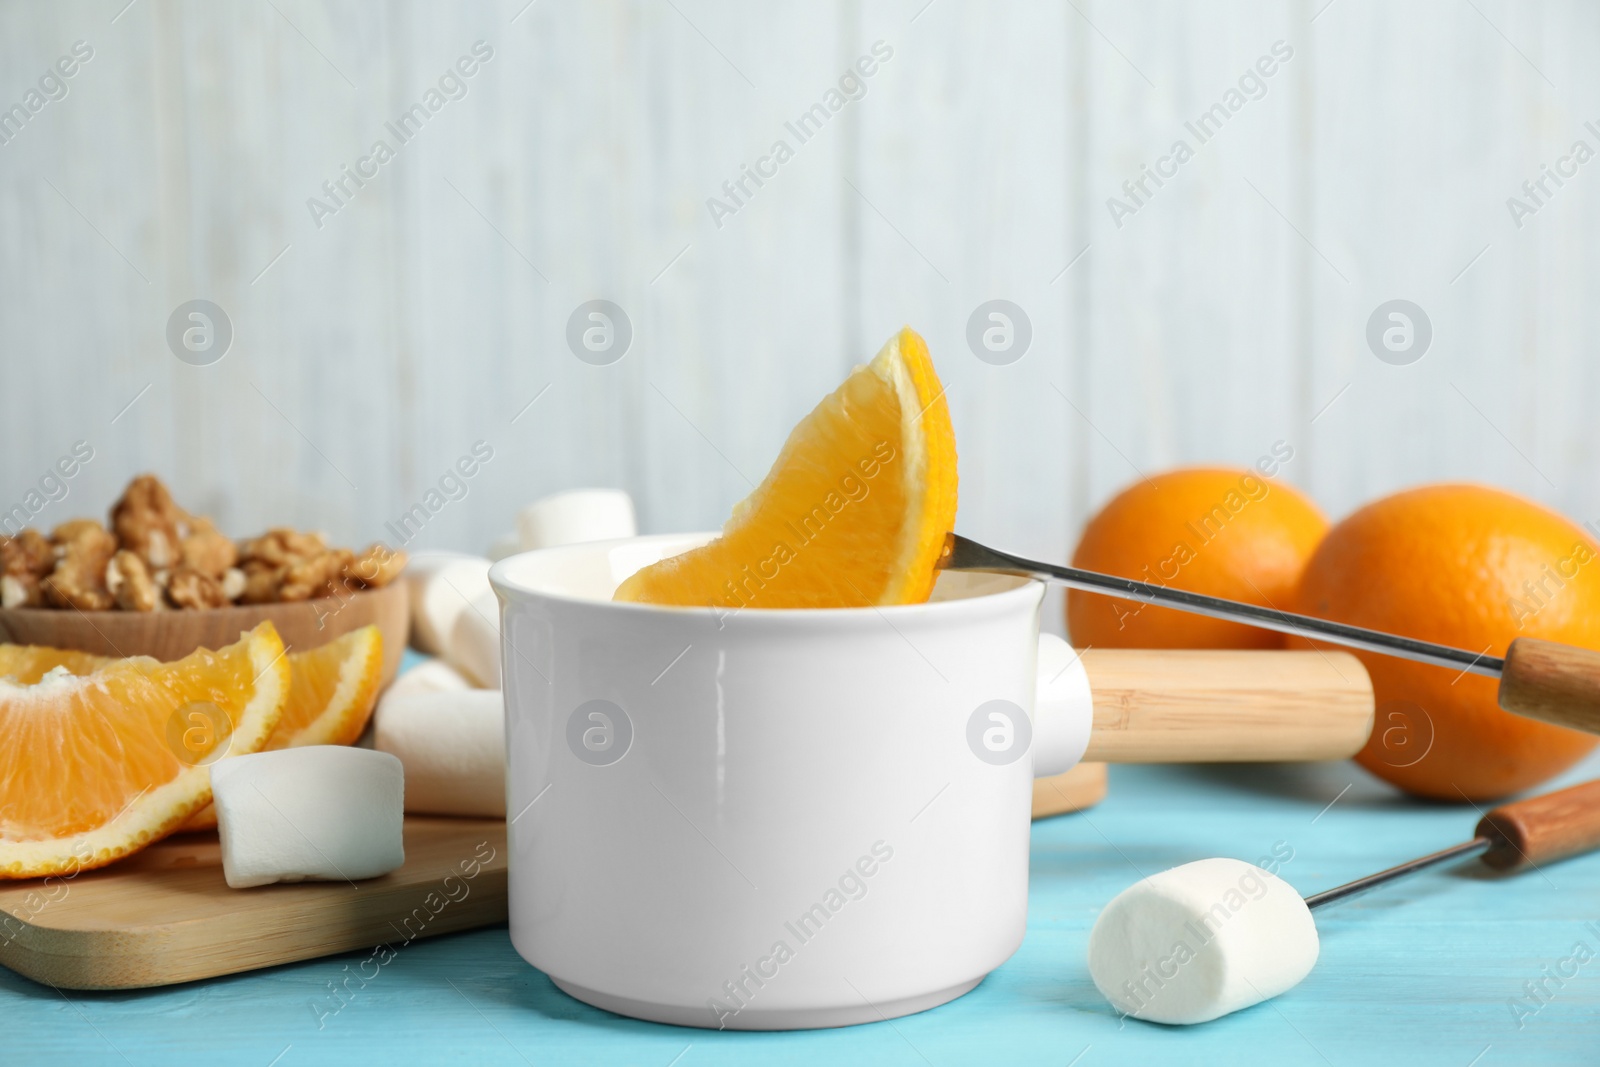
x=26 y=664
x=853 y=513
x=332 y=688
x=332 y=691
x=96 y=766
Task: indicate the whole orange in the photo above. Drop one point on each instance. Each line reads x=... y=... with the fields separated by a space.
x=1472 y=567
x=1230 y=532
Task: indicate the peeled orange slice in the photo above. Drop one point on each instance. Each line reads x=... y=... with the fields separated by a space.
x=98 y=765
x=332 y=690
x=853 y=513
x=26 y=664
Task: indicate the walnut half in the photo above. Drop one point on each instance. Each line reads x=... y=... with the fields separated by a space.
x=316 y=576
x=20 y=591
x=194 y=589
x=377 y=566
x=147 y=521
x=23 y=560
x=207 y=550
x=129 y=581
x=83 y=549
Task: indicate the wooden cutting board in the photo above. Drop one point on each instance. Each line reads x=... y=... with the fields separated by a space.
x=1082 y=787
x=165 y=915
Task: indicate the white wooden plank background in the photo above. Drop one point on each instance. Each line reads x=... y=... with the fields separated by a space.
x=1227 y=314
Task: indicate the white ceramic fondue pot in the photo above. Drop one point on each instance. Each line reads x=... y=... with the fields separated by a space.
x=772 y=819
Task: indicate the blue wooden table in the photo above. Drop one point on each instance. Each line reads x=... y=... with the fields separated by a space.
x=1424 y=972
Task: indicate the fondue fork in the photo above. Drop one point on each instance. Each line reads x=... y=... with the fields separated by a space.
x=1543 y=680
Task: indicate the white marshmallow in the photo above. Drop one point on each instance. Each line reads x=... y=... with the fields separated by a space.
x=1201 y=940
x=442 y=584
x=423 y=564
x=576 y=516
x=430 y=676
x=507 y=544
x=473 y=647
x=313 y=813
x=453 y=746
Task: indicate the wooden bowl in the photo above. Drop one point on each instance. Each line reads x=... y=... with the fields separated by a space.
x=169 y=635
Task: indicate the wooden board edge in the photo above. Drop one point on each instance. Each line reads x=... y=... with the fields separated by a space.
x=1082 y=787
x=162 y=966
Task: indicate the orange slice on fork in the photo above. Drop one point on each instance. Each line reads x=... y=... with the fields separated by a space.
x=854 y=511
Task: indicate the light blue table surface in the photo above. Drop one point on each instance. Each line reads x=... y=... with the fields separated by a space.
x=1423 y=972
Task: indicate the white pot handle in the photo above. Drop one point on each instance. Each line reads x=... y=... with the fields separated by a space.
x=1063 y=710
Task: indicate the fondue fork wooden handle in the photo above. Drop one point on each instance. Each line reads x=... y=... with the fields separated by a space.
x=1552 y=682
x=1167 y=706
x=1544 y=680
x=1512 y=837
x=1540 y=830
